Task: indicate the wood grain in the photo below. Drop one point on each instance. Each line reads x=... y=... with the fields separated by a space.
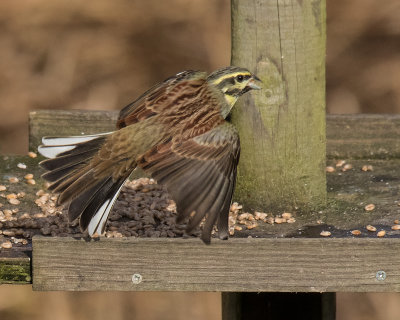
x=282 y=127
x=353 y=136
x=242 y=265
x=68 y=122
x=363 y=136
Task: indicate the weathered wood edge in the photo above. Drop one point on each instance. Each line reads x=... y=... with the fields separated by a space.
x=240 y=265
x=15 y=268
x=353 y=136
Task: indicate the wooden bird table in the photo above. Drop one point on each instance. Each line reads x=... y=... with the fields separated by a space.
x=257 y=270
x=273 y=271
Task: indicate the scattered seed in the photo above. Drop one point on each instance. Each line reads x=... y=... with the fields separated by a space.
x=381 y=233
x=11 y=196
x=3 y=188
x=279 y=220
x=30 y=181
x=396 y=227
x=238 y=228
x=370 y=228
x=32 y=154
x=340 y=163
x=28 y=176
x=291 y=220
x=40 y=193
x=13 y=180
x=355 y=232
x=286 y=215
x=367 y=168
x=9 y=233
x=235 y=206
x=270 y=220
x=260 y=215
x=325 y=233
x=21 y=194
x=396 y=221
x=369 y=207
x=21 y=165
x=14 y=201
x=252 y=226
x=246 y=216
x=6 y=245
x=347 y=167
x=330 y=169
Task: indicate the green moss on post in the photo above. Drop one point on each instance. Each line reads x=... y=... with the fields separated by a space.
x=282 y=127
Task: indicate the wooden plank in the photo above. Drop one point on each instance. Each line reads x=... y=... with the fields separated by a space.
x=363 y=136
x=348 y=193
x=242 y=265
x=354 y=136
x=15 y=268
x=68 y=122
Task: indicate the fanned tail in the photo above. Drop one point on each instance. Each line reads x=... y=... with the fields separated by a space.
x=72 y=174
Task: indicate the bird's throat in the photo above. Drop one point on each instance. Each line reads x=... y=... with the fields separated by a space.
x=231 y=100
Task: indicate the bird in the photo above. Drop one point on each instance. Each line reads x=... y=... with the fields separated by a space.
x=177 y=132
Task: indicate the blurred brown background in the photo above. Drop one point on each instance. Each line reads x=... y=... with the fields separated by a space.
x=101 y=54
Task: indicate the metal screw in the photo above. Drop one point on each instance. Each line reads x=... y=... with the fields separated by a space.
x=380 y=275
x=137 y=278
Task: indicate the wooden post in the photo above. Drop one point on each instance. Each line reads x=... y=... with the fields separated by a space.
x=283 y=305
x=282 y=131
x=282 y=127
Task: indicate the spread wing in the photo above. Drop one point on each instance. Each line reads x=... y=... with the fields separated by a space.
x=200 y=175
x=161 y=97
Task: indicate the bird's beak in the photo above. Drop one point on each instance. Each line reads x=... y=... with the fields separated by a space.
x=252 y=83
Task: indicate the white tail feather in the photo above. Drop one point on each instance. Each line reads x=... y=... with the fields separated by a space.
x=62 y=141
x=53 y=146
x=54 y=151
x=98 y=221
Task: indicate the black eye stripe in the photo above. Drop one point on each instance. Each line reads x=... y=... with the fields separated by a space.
x=241 y=77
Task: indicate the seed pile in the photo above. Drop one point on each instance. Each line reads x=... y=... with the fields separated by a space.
x=143 y=209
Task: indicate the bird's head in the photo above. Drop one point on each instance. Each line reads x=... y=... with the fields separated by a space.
x=233 y=82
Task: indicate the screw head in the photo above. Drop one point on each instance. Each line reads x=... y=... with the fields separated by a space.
x=380 y=275
x=137 y=278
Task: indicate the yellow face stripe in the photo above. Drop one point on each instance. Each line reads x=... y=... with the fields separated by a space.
x=231 y=100
x=230 y=75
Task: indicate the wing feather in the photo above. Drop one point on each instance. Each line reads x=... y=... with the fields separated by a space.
x=200 y=174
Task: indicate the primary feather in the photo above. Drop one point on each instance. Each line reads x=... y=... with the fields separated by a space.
x=176 y=132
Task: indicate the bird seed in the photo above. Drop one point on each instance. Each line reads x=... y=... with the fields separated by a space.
x=31 y=181
x=381 y=233
x=325 y=233
x=6 y=245
x=370 y=228
x=355 y=232
x=340 y=163
x=369 y=207
x=367 y=168
x=13 y=180
x=21 y=165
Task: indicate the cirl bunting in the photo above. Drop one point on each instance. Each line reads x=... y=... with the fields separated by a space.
x=176 y=132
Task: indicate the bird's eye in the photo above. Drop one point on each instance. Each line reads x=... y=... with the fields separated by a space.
x=239 y=78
